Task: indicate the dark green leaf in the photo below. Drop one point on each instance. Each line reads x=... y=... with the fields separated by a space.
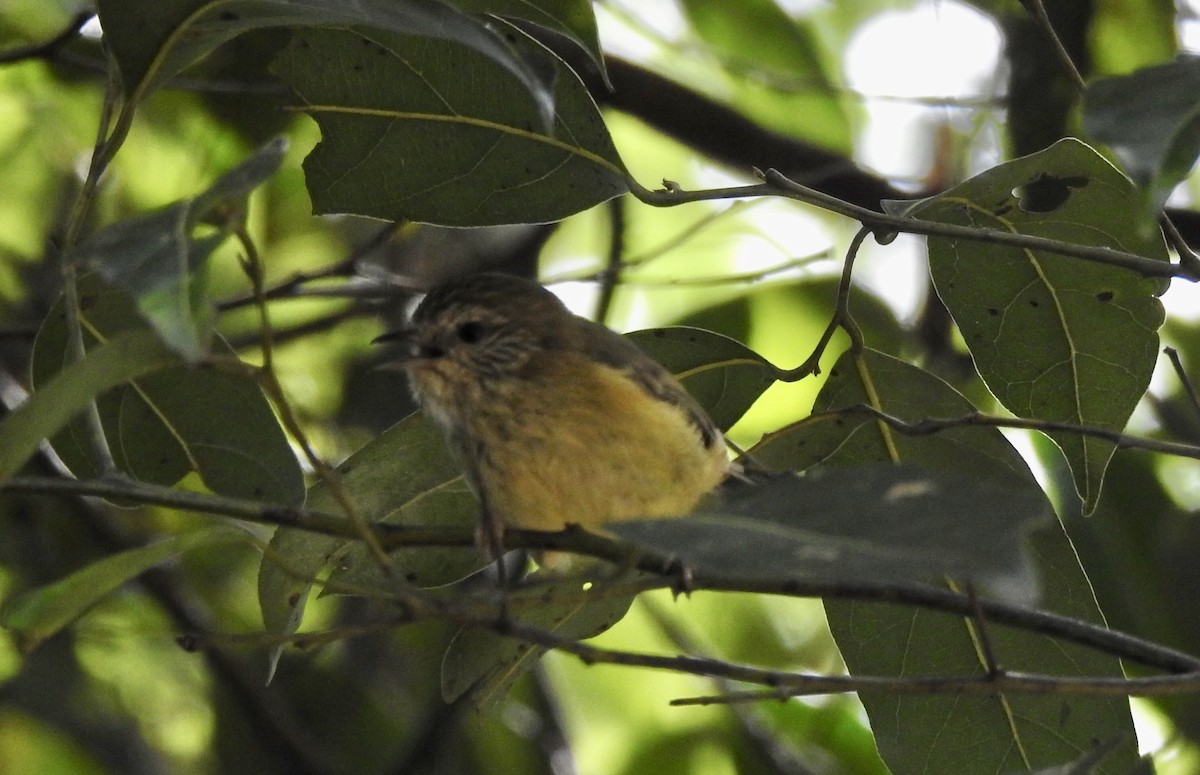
x=870 y=524
x=723 y=375
x=38 y=614
x=177 y=420
x=572 y=18
x=1151 y=120
x=1054 y=338
x=952 y=734
x=159 y=259
x=153 y=42
x=440 y=138
x=406 y=475
x=126 y=356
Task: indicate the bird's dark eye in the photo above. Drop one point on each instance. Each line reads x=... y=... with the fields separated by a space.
x=470 y=332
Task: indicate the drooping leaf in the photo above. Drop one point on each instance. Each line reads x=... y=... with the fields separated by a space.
x=573 y=18
x=153 y=42
x=486 y=665
x=872 y=524
x=441 y=139
x=158 y=258
x=965 y=734
x=1054 y=338
x=36 y=615
x=177 y=420
x=406 y=475
x=723 y=375
x=128 y=355
x=1151 y=120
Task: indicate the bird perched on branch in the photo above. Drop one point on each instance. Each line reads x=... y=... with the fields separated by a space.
x=557 y=419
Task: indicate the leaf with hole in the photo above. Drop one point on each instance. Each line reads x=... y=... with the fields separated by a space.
x=1054 y=338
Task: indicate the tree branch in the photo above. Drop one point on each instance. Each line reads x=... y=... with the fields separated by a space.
x=776 y=184
x=669 y=571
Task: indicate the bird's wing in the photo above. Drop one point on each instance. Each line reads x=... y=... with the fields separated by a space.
x=615 y=350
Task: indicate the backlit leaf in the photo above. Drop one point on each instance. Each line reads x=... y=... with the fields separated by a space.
x=484 y=665
x=966 y=734
x=154 y=42
x=1151 y=120
x=1054 y=338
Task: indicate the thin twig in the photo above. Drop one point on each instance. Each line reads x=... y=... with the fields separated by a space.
x=841 y=318
x=268 y=378
x=930 y=425
x=777 y=184
x=1038 y=12
x=1184 y=379
x=610 y=276
x=293 y=287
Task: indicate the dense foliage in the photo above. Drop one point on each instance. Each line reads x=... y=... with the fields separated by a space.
x=230 y=544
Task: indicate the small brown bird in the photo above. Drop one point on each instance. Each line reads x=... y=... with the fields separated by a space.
x=557 y=419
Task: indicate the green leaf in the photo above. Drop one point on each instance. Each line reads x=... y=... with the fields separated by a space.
x=1054 y=338
x=573 y=18
x=159 y=259
x=483 y=665
x=38 y=614
x=128 y=355
x=722 y=374
x=441 y=139
x=869 y=524
x=900 y=390
x=976 y=733
x=964 y=734
x=176 y=420
x=406 y=475
x=1151 y=120
x=153 y=42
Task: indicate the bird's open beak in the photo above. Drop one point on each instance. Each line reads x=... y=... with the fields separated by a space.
x=407 y=338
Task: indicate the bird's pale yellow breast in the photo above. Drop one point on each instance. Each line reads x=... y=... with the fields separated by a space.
x=582 y=443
